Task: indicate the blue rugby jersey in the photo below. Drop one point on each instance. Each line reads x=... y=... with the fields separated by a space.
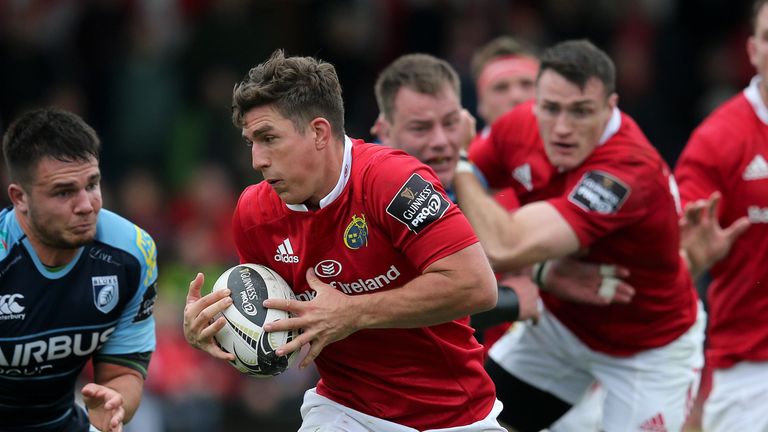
x=51 y=323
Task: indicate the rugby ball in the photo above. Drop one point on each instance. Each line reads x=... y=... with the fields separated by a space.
x=243 y=334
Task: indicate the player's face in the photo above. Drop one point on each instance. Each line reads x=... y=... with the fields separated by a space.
x=571 y=120
x=427 y=127
x=288 y=160
x=61 y=204
x=757 y=47
x=504 y=93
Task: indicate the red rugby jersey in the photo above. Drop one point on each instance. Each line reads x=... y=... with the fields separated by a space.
x=382 y=227
x=728 y=152
x=619 y=204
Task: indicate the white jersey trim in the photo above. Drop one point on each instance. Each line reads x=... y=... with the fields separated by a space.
x=346 y=170
x=752 y=93
x=613 y=126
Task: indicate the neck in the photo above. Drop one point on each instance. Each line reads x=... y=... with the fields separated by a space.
x=763 y=88
x=330 y=174
x=50 y=256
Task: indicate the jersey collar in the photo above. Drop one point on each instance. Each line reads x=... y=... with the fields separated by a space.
x=346 y=169
x=752 y=93
x=612 y=127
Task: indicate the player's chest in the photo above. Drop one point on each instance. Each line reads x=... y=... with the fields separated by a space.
x=89 y=293
x=348 y=251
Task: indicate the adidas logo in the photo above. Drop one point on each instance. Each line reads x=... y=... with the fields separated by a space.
x=285 y=254
x=523 y=175
x=757 y=169
x=654 y=424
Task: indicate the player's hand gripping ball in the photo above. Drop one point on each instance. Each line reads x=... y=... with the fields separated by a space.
x=243 y=335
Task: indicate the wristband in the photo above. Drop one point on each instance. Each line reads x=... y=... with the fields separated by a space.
x=539 y=271
x=507 y=309
x=464 y=165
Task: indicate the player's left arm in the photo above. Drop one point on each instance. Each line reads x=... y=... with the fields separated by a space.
x=533 y=233
x=114 y=396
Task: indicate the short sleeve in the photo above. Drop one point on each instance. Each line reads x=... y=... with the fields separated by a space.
x=135 y=332
x=601 y=201
x=698 y=170
x=411 y=206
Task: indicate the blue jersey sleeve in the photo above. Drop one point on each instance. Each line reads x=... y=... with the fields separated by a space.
x=135 y=330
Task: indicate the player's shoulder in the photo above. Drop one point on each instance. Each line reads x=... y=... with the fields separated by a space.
x=10 y=232
x=518 y=116
x=374 y=160
x=118 y=232
x=257 y=204
x=731 y=119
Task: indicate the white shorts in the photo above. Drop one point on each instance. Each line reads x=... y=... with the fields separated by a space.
x=320 y=414
x=648 y=390
x=738 y=400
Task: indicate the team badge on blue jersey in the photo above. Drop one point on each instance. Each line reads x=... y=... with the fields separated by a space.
x=356 y=234
x=105 y=292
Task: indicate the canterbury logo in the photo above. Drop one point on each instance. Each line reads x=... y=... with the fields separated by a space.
x=285 y=254
x=8 y=304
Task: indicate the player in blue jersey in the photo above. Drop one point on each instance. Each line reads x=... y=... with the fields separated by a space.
x=76 y=283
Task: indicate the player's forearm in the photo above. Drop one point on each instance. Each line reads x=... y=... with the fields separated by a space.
x=130 y=387
x=439 y=295
x=491 y=222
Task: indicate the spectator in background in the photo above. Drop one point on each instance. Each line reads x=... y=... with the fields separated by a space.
x=728 y=155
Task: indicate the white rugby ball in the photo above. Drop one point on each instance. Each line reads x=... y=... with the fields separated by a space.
x=243 y=335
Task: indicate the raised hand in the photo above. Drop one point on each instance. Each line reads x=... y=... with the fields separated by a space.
x=105 y=407
x=702 y=238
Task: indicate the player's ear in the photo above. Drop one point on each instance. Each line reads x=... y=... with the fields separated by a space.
x=322 y=131
x=384 y=131
x=613 y=100
x=18 y=198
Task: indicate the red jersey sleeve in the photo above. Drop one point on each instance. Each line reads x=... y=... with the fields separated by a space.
x=601 y=198
x=699 y=170
x=409 y=203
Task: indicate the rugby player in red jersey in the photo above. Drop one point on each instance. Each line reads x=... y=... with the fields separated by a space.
x=388 y=268
x=590 y=184
x=728 y=155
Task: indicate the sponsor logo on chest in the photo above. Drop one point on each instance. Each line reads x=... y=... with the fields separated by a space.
x=757 y=169
x=34 y=357
x=285 y=254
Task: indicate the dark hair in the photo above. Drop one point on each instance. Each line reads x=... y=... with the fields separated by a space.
x=757 y=6
x=299 y=88
x=47 y=132
x=422 y=73
x=578 y=61
x=502 y=46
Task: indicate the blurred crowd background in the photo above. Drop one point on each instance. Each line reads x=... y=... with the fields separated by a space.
x=154 y=78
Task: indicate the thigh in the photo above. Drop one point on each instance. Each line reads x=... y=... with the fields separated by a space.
x=738 y=400
x=652 y=390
